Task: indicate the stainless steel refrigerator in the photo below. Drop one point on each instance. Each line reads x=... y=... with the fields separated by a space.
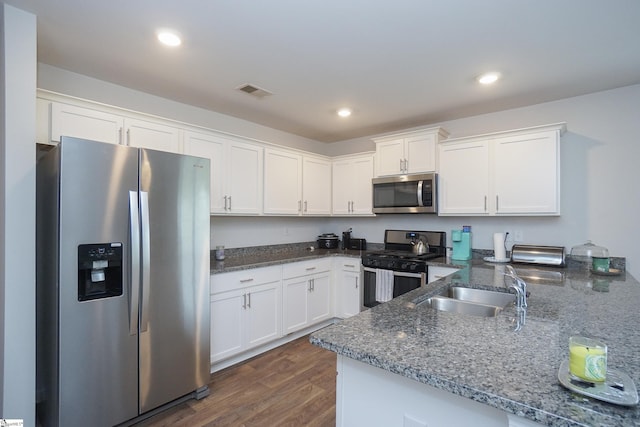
x=122 y=282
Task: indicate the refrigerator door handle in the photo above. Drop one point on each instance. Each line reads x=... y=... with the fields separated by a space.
x=146 y=258
x=135 y=262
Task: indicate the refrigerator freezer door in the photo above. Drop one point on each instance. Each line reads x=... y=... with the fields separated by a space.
x=98 y=355
x=174 y=347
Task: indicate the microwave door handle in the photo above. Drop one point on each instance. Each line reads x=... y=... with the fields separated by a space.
x=419 y=193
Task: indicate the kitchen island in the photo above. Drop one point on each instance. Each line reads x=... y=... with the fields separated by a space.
x=507 y=364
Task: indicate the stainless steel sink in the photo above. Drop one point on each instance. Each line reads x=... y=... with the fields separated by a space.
x=476 y=302
x=481 y=296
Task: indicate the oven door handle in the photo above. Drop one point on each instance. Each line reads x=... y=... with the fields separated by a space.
x=422 y=276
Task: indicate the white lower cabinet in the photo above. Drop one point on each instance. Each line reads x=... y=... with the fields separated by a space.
x=245 y=310
x=348 y=286
x=306 y=294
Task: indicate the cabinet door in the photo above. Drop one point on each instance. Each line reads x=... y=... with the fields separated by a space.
x=526 y=174
x=282 y=182
x=295 y=303
x=244 y=178
x=342 y=185
x=390 y=157
x=316 y=186
x=69 y=120
x=227 y=324
x=155 y=136
x=263 y=314
x=362 y=192
x=420 y=153
x=319 y=298
x=350 y=291
x=202 y=145
x=463 y=180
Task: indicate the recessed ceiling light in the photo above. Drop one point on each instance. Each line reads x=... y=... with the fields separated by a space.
x=169 y=38
x=344 y=112
x=488 y=78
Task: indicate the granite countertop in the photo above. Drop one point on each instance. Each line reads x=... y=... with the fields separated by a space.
x=264 y=256
x=486 y=359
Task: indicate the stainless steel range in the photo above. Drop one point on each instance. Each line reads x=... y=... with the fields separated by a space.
x=398 y=269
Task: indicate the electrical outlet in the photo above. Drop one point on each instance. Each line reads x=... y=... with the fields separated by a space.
x=517 y=236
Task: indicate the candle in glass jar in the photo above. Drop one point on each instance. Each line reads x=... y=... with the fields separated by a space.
x=587 y=359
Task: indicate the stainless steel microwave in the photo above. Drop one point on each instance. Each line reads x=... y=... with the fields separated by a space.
x=405 y=194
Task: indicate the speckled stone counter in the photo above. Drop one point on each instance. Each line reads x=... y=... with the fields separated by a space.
x=264 y=256
x=486 y=359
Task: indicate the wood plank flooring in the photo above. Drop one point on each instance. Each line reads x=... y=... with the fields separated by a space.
x=292 y=385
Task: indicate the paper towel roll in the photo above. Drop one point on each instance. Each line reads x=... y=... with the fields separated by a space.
x=499 y=251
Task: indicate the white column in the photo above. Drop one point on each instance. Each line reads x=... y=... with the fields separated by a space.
x=17 y=214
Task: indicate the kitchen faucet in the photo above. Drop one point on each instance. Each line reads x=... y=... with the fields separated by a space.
x=520 y=287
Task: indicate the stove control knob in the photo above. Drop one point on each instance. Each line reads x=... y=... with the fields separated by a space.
x=413 y=267
x=404 y=266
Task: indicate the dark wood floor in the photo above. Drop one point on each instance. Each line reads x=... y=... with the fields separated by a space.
x=292 y=385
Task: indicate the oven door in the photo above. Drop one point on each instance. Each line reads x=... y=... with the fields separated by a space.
x=402 y=283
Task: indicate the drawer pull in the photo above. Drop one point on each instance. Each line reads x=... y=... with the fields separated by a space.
x=246 y=280
x=349 y=265
x=310 y=268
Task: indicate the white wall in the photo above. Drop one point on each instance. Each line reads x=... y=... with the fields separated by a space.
x=17 y=216
x=599 y=155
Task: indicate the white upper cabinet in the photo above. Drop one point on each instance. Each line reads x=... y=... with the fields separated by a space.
x=526 y=174
x=409 y=152
x=104 y=126
x=296 y=184
x=316 y=186
x=85 y=123
x=463 y=178
x=352 y=185
x=152 y=135
x=507 y=173
x=282 y=182
x=236 y=172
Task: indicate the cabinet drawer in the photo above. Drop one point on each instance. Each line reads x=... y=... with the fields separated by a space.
x=304 y=268
x=241 y=279
x=349 y=264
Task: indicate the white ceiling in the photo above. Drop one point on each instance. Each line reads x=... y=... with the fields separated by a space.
x=397 y=63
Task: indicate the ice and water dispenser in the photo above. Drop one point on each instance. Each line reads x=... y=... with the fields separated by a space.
x=99 y=271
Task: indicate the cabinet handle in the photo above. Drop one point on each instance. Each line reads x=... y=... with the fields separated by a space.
x=120 y=138
x=225 y=203
x=244 y=301
x=246 y=280
x=497 y=209
x=299 y=205
x=406 y=165
x=485 y=203
x=351 y=207
x=349 y=265
x=356 y=282
x=313 y=284
x=249 y=300
x=305 y=205
x=310 y=268
x=401 y=165
x=229 y=202
x=128 y=137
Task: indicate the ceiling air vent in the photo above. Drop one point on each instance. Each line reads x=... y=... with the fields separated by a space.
x=254 y=90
